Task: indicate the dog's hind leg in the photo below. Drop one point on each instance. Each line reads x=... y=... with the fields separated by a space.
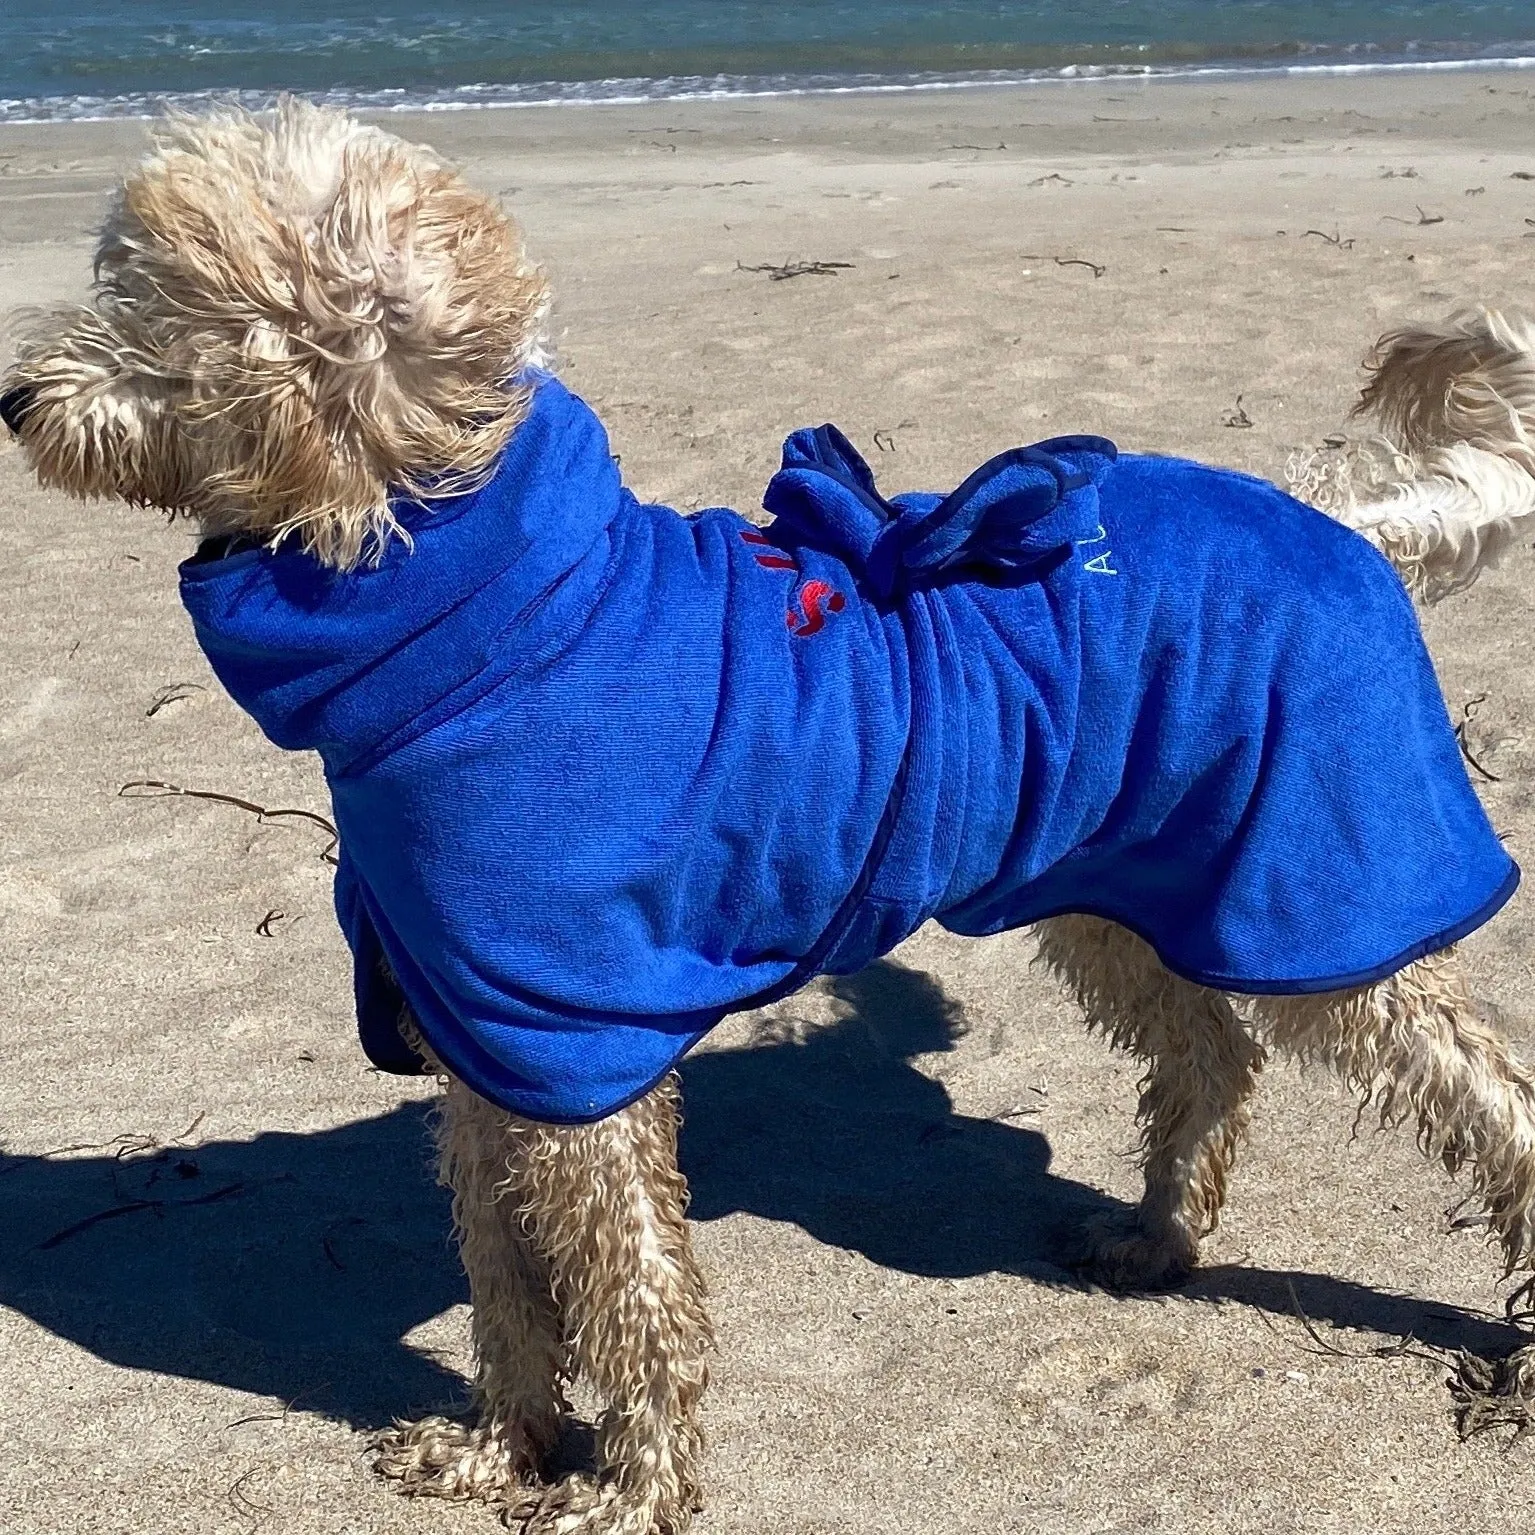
x=519 y=1355
x=1412 y=1045
x=1201 y=1069
x=605 y=1205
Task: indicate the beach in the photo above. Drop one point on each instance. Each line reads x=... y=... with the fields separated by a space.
x=223 y=1261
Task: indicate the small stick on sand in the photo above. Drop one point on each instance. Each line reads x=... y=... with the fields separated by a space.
x=129 y=1144
x=1467 y=714
x=1403 y=1348
x=242 y=1502
x=1092 y=266
x=1334 y=239
x=156 y=789
x=134 y=1206
x=172 y=693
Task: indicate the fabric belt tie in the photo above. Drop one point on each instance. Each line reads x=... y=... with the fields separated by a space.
x=1012 y=521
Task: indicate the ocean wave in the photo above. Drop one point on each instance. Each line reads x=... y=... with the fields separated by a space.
x=640 y=90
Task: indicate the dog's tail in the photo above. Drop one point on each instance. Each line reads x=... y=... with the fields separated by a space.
x=1445 y=486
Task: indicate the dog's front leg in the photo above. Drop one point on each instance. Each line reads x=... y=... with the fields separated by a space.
x=519 y=1356
x=605 y=1206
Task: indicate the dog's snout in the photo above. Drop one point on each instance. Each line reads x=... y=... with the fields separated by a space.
x=16 y=405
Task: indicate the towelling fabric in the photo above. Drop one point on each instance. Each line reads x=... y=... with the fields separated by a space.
x=604 y=773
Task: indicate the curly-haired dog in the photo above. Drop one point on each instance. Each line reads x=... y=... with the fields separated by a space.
x=604 y=773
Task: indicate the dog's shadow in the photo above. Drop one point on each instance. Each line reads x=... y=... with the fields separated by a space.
x=833 y=1129
x=292 y=1265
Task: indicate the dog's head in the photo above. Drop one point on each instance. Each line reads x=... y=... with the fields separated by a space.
x=291 y=316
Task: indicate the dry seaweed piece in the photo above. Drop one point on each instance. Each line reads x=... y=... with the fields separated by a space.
x=777 y=273
x=1495 y=1393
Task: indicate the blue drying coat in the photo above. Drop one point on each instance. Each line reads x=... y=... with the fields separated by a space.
x=604 y=773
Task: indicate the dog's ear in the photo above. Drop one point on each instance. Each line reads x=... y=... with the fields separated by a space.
x=1469 y=380
x=294 y=318
x=89 y=400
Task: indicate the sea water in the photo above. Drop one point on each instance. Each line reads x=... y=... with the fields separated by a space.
x=109 y=58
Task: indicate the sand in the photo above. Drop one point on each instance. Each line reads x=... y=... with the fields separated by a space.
x=222 y=1259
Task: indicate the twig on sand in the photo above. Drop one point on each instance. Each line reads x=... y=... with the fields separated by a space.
x=159 y=1206
x=330 y=1230
x=1054 y=177
x=1025 y=1110
x=1405 y=1347
x=172 y=693
x=1334 y=239
x=1455 y=1221
x=1524 y=1297
x=242 y=1502
x=276 y=1417
x=884 y=438
x=1092 y=266
x=1467 y=714
x=129 y=1144
x=1422 y=218
x=777 y=273
x=1237 y=417
x=154 y=788
x=264 y=1417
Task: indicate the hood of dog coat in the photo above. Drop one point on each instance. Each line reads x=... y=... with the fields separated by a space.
x=596 y=783
x=339 y=662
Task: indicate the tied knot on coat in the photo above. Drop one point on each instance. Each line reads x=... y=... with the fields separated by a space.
x=1012 y=521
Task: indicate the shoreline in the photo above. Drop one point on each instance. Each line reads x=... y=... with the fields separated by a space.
x=644 y=91
x=1002 y=130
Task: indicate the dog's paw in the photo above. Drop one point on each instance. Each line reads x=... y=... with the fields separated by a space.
x=581 y=1506
x=1125 y=1258
x=439 y=1457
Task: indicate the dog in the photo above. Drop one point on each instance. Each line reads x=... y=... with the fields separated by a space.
x=324 y=347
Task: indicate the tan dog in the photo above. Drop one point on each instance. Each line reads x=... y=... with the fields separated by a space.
x=293 y=318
